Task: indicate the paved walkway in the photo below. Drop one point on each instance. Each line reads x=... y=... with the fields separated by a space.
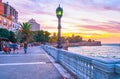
x=33 y=65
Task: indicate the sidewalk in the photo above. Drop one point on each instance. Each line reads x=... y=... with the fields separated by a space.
x=33 y=65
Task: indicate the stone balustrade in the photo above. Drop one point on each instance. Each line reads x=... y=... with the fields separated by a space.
x=83 y=67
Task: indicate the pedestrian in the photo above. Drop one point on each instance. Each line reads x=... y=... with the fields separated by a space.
x=14 y=47
x=9 y=47
x=22 y=44
x=9 y=50
x=5 y=49
x=18 y=48
x=25 y=47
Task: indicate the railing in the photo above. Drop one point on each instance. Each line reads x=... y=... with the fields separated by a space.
x=84 y=67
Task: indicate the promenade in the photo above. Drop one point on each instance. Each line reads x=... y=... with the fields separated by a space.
x=33 y=65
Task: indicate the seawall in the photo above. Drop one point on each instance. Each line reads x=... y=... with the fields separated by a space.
x=95 y=43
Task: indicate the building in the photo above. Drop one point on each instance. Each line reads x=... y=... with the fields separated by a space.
x=34 y=26
x=8 y=17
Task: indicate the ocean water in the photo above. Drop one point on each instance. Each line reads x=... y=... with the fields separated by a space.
x=106 y=50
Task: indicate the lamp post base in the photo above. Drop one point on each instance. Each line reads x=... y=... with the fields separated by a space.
x=59 y=46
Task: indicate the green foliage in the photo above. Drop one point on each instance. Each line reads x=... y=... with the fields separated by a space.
x=53 y=39
x=41 y=36
x=4 y=33
x=12 y=37
x=24 y=34
x=46 y=35
x=19 y=36
x=32 y=36
x=25 y=31
x=75 y=39
x=63 y=39
x=8 y=34
x=25 y=27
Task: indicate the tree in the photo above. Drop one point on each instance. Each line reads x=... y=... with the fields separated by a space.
x=89 y=40
x=46 y=36
x=4 y=33
x=41 y=36
x=19 y=36
x=7 y=34
x=53 y=39
x=12 y=36
x=25 y=30
x=75 y=39
x=38 y=36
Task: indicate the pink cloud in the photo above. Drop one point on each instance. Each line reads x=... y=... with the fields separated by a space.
x=114 y=22
x=49 y=27
x=94 y=5
x=89 y=20
x=106 y=28
x=43 y=12
x=88 y=33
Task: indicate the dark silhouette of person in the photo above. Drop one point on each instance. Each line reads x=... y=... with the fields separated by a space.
x=14 y=47
x=25 y=47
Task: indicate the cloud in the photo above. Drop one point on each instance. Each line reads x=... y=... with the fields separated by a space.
x=94 y=4
x=43 y=12
x=113 y=28
x=88 y=34
x=74 y=11
x=89 y=20
x=114 y=22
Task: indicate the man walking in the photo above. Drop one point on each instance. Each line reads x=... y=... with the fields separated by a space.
x=25 y=47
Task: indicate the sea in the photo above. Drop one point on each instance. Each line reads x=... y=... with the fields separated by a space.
x=105 y=50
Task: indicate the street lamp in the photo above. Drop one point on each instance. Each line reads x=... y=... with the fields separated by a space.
x=59 y=13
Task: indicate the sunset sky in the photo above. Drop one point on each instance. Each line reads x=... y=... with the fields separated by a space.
x=96 y=19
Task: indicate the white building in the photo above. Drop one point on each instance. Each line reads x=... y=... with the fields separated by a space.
x=34 y=26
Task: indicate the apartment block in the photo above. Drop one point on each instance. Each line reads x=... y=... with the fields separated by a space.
x=8 y=17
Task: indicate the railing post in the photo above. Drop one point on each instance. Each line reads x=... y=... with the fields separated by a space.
x=104 y=68
x=58 y=56
x=86 y=67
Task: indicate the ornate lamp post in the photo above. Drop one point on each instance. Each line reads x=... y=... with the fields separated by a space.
x=59 y=13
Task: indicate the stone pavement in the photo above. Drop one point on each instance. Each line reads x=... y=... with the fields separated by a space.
x=33 y=65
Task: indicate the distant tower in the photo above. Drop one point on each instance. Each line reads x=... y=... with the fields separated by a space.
x=34 y=26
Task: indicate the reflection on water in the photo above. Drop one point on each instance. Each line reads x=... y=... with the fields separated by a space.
x=111 y=51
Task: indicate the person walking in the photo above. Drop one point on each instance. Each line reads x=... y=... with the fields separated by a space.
x=5 y=49
x=18 y=48
x=9 y=47
x=14 y=47
x=25 y=47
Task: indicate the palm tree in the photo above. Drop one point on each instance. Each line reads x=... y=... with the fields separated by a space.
x=25 y=30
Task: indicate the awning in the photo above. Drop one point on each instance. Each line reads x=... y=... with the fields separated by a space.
x=4 y=39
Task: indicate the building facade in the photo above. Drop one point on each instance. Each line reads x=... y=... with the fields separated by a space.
x=34 y=26
x=8 y=17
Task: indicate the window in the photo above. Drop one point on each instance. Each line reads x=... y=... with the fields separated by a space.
x=5 y=22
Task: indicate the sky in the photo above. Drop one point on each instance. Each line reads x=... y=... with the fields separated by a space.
x=95 y=19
